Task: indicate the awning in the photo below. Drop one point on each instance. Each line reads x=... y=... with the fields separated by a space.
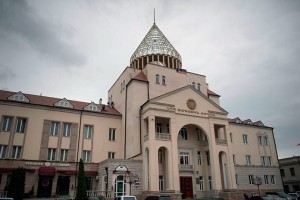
x=47 y=171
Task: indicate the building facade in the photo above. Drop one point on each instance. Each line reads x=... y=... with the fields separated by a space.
x=162 y=131
x=290 y=173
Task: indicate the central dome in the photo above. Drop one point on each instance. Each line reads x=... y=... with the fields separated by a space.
x=155 y=47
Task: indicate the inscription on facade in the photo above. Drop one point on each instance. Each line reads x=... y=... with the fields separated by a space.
x=190 y=111
x=48 y=164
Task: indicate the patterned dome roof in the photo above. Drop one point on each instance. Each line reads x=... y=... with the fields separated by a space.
x=155 y=43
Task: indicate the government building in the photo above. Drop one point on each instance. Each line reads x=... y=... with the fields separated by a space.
x=162 y=131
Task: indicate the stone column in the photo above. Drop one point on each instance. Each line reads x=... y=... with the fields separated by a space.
x=153 y=156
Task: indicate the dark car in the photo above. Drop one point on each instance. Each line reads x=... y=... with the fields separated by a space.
x=282 y=195
x=158 y=197
x=264 y=197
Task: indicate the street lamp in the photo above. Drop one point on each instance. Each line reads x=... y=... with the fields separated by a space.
x=131 y=178
x=258 y=182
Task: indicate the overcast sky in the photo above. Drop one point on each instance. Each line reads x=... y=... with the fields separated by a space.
x=248 y=50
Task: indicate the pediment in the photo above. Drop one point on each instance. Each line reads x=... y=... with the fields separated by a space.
x=19 y=96
x=92 y=107
x=188 y=100
x=64 y=103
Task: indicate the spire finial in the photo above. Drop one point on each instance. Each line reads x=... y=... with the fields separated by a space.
x=154 y=15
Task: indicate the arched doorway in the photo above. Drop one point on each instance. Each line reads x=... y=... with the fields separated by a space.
x=120 y=186
x=194 y=161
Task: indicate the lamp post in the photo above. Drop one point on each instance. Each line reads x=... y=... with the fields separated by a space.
x=258 y=182
x=131 y=178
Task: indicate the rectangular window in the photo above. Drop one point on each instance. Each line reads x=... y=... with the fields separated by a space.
x=234 y=159
x=251 y=179
x=51 y=154
x=86 y=156
x=236 y=179
x=266 y=177
x=66 y=129
x=88 y=131
x=184 y=158
x=263 y=161
x=158 y=127
x=54 y=129
x=207 y=157
x=88 y=183
x=272 y=178
x=6 y=123
x=183 y=134
x=245 y=139
x=282 y=172
x=266 y=140
x=161 y=183
x=259 y=140
x=292 y=170
x=269 y=160
x=199 y=158
x=231 y=137
x=16 y=152
x=209 y=183
x=21 y=123
x=248 y=160
x=3 y=149
x=112 y=134
x=201 y=182
x=111 y=155
x=64 y=155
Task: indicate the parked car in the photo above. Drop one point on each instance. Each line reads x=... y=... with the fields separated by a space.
x=158 y=197
x=125 y=197
x=6 y=198
x=295 y=195
x=264 y=197
x=275 y=197
x=282 y=195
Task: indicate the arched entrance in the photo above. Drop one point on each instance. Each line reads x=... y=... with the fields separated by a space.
x=120 y=186
x=194 y=160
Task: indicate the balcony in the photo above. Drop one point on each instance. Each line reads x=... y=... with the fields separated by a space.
x=221 y=141
x=159 y=136
x=186 y=168
x=163 y=136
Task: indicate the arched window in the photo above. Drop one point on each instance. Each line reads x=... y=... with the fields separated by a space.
x=193 y=84
x=163 y=80
x=157 y=79
x=198 y=86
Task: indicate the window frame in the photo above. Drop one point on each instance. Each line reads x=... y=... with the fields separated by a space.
x=201 y=183
x=7 y=122
x=86 y=156
x=16 y=152
x=183 y=134
x=184 y=158
x=157 y=79
x=66 y=132
x=51 y=156
x=3 y=151
x=111 y=155
x=88 y=131
x=248 y=159
x=245 y=139
x=54 y=128
x=64 y=155
x=21 y=128
x=112 y=134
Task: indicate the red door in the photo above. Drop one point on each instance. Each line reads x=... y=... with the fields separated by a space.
x=186 y=187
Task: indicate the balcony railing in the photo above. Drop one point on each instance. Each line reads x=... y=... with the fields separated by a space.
x=186 y=167
x=163 y=136
x=221 y=141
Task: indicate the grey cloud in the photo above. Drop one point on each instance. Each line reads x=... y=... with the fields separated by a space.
x=6 y=74
x=19 y=18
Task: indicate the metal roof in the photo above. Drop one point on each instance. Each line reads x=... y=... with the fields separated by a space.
x=155 y=43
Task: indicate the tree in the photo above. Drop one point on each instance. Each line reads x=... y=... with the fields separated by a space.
x=81 y=188
x=17 y=184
